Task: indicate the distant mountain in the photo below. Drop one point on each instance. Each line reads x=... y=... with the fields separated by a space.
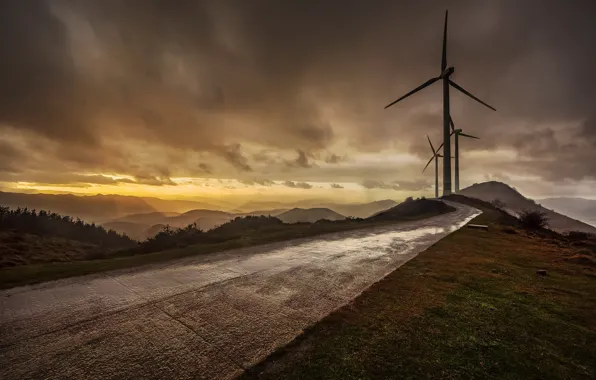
x=311 y=215
x=95 y=208
x=362 y=210
x=516 y=202
x=577 y=208
x=273 y=212
x=414 y=209
x=180 y=206
x=205 y=219
x=146 y=218
x=251 y=206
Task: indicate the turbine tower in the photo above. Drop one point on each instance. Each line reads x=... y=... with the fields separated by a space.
x=445 y=76
x=457 y=133
x=435 y=157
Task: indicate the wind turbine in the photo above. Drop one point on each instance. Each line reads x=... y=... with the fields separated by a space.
x=435 y=157
x=457 y=133
x=445 y=76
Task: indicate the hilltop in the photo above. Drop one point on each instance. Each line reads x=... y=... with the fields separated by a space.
x=414 y=208
x=516 y=202
x=311 y=215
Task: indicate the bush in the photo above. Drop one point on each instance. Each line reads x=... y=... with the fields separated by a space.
x=533 y=219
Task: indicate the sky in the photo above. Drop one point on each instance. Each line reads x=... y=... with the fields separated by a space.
x=279 y=100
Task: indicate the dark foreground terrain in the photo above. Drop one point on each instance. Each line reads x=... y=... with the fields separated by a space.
x=472 y=306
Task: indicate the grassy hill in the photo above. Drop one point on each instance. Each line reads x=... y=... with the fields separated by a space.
x=28 y=236
x=414 y=208
x=490 y=191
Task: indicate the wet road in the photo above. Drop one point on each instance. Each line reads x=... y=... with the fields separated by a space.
x=201 y=317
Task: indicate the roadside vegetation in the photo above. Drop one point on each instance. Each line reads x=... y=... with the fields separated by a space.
x=73 y=258
x=512 y=302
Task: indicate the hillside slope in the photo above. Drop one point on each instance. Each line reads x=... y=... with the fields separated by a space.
x=310 y=215
x=414 y=209
x=490 y=191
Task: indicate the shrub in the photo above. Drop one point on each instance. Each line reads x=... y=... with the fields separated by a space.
x=533 y=219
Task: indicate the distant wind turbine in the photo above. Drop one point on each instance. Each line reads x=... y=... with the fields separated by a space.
x=445 y=76
x=457 y=133
x=435 y=157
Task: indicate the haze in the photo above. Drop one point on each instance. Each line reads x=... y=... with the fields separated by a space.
x=240 y=100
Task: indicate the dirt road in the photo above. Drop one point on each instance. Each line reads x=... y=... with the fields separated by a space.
x=201 y=317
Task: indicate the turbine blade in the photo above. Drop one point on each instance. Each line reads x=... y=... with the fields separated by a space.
x=440 y=146
x=444 y=56
x=425 y=84
x=428 y=163
x=440 y=155
x=470 y=136
x=431 y=145
x=452 y=124
x=470 y=95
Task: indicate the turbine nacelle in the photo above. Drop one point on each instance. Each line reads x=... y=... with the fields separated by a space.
x=447 y=72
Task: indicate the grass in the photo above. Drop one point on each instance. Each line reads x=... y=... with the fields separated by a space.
x=470 y=307
x=41 y=272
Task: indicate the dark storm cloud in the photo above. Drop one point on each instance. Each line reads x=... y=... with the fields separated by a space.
x=374 y=184
x=301 y=161
x=298 y=185
x=336 y=186
x=218 y=76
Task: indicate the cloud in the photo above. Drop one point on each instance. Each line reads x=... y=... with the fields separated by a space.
x=333 y=159
x=234 y=156
x=373 y=184
x=133 y=86
x=336 y=186
x=301 y=161
x=252 y=182
x=297 y=185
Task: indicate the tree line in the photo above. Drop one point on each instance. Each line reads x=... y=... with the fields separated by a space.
x=45 y=223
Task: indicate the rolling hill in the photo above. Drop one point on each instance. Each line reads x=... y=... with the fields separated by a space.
x=413 y=209
x=310 y=215
x=516 y=202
